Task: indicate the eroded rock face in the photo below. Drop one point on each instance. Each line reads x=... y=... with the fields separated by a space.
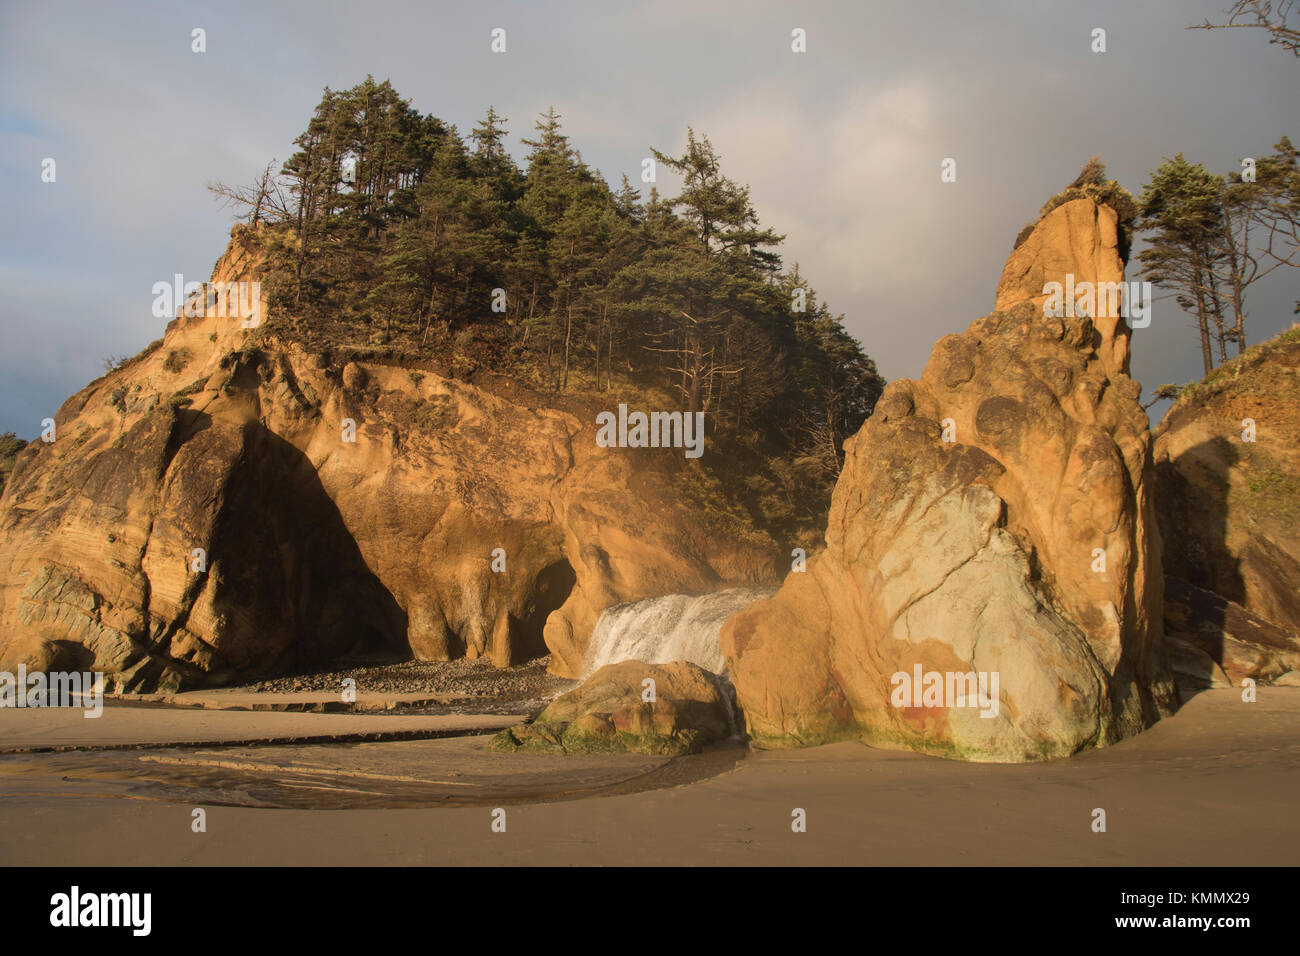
x=609 y=713
x=1219 y=643
x=204 y=516
x=982 y=554
x=1081 y=239
x=1228 y=501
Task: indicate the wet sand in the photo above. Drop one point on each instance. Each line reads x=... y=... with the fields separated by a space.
x=34 y=730
x=1214 y=785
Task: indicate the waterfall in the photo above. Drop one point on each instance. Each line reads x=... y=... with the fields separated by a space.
x=675 y=627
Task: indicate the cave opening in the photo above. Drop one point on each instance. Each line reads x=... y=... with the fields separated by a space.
x=551 y=588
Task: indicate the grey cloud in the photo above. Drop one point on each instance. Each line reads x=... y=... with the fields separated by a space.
x=841 y=145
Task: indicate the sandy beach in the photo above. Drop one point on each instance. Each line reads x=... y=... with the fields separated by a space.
x=1213 y=785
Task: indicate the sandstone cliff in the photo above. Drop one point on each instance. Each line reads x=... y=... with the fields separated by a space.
x=993 y=521
x=202 y=517
x=1228 y=501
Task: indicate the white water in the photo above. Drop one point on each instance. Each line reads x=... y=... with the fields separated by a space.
x=675 y=627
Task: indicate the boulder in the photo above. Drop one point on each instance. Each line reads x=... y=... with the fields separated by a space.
x=687 y=709
x=992 y=523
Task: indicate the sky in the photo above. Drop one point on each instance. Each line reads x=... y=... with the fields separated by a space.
x=841 y=145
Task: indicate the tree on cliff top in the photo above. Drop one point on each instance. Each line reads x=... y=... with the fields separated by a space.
x=1212 y=237
x=400 y=236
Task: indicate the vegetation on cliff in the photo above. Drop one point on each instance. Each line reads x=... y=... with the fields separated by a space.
x=1091 y=183
x=389 y=232
x=1211 y=238
x=10 y=446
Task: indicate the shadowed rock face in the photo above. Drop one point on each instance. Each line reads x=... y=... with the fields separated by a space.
x=1229 y=512
x=110 y=579
x=314 y=546
x=1216 y=642
x=982 y=554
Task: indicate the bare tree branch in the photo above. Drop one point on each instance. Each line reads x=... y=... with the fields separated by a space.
x=1269 y=15
x=265 y=200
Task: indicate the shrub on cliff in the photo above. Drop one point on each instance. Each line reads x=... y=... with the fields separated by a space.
x=1091 y=183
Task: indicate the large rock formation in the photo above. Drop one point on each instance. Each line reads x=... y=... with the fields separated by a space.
x=202 y=515
x=1228 y=501
x=995 y=519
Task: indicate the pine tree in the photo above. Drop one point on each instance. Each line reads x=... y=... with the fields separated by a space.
x=1181 y=208
x=1212 y=237
x=628 y=202
x=398 y=228
x=1261 y=227
x=702 y=284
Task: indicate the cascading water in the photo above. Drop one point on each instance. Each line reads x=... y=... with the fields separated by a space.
x=675 y=627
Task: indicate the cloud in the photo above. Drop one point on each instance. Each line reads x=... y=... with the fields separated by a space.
x=840 y=145
x=829 y=180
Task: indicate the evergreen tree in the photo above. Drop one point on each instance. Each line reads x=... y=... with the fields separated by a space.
x=703 y=283
x=1181 y=208
x=1212 y=237
x=388 y=229
x=1260 y=228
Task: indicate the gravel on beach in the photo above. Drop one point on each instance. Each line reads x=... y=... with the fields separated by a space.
x=461 y=680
